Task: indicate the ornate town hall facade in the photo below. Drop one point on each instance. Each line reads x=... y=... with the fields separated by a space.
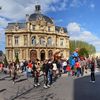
x=38 y=38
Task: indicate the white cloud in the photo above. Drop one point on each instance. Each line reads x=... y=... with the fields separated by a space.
x=16 y=9
x=3 y=22
x=78 y=3
x=79 y=33
x=73 y=28
x=2 y=39
x=92 y=6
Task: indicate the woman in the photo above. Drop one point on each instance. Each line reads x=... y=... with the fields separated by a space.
x=36 y=72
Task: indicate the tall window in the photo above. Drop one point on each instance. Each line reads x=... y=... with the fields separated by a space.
x=33 y=27
x=16 y=40
x=50 y=53
x=9 y=40
x=25 y=40
x=61 y=42
x=49 y=29
x=42 y=41
x=23 y=54
x=49 y=41
x=33 y=40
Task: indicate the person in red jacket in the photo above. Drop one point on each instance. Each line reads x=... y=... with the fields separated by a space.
x=1 y=67
x=68 y=68
x=78 y=67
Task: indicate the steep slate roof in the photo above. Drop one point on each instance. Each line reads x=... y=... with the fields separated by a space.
x=57 y=28
x=11 y=25
x=34 y=16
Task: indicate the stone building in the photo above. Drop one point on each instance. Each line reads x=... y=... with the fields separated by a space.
x=38 y=37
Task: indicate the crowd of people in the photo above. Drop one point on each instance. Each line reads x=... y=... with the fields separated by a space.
x=51 y=69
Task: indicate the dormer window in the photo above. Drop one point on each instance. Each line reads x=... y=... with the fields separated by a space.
x=61 y=42
x=33 y=27
x=61 y=30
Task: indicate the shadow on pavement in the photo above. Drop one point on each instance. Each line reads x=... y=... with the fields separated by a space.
x=2 y=90
x=86 y=90
x=21 y=80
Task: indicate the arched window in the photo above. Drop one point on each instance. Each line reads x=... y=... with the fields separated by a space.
x=50 y=53
x=33 y=55
x=42 y=41
x=33 y=40
x=49 y=41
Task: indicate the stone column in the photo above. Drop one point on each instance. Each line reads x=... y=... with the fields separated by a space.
x=26 y=52
x=38 y=54
x=13 y=55
x=46 y=54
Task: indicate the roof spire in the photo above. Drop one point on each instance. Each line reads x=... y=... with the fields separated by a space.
x=37 y=7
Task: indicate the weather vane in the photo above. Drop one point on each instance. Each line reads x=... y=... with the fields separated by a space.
x=36 y=1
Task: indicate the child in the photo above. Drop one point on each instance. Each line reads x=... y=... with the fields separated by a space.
x=68 y=69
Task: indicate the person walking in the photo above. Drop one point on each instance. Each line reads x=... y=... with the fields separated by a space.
x=92 y=64
x=45 y=69
x=50 y=73
x=78 y=68
x=36 y=73
x=14 y=72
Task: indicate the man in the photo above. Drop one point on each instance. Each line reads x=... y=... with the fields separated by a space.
x=92 y=64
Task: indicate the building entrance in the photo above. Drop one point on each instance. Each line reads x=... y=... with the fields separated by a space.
x=33 y=55
x=42 y=55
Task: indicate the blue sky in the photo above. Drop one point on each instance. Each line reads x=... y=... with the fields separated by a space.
x=80 y=17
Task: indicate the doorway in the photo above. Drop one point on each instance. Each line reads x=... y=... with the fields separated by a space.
x=33 y=55
x=42 y=55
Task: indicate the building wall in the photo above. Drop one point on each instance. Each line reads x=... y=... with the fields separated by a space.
x=24 y=48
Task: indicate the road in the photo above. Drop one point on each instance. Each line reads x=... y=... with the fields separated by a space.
x=65 y=88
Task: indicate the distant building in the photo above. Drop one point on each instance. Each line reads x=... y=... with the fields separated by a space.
x=38 y=37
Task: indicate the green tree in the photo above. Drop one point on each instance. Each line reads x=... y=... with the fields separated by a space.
x=5 y=61
x=81 y=44
x=16 y=58
x=83 y=52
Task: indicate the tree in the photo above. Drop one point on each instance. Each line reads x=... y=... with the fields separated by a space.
x=5 y=62
x=81 y=44
x=83 y=52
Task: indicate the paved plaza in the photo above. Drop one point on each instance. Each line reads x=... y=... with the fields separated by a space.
x=65 y=88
